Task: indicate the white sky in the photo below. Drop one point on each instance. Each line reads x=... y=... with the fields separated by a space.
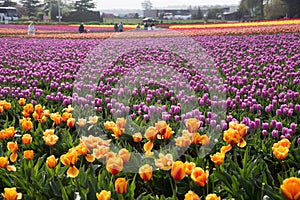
x=136 y=4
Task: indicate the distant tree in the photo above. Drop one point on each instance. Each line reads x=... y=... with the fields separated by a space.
x=136 y=16
x=84 y=5
x=254 y=8
x=147 y=5
x=199 y=14
x=31 y=7
x=293 y=8
x=275 y=10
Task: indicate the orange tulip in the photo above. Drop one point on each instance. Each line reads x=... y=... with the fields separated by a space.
x=121 y=185
x=169 y=133
x=48 y=132
x=148 y=146
x=161 y=127
x=291 y=188
x=22 y=101
x=151 y=133
x=69 y=109
x=50 y=140
x=124 y=155
x=28 y=109
x=199 y=176
x=218 y=158
x=193 y=125
x=145 y=172
x=164 y=162
x=72 y=171
x=56 y=118
x=26 y=139
x=189 y=166
x=71 y=122
x=12 y=146
x=10 y=132
x=178 y=170
x=36 y=116
x=69 y=158
x=90 y=158
x=212 y=197
x=3 y=162
x=233 y=137
x=46 y=113
x=183 y=141
x=284 y=142
x=26 y=124
x=191 y=196
x=114 y=165
x=39 y=109
x=11 y=194
x=137 y=137
x=65 y=116
x=109 y=125
x=103 y=195
x=28 y=154
x=204 y=140
x=225 y=149
x=121 y=122
x=117 y=132
x=51 y=161
x=280 y=152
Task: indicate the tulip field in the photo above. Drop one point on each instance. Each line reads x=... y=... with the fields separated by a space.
x=193 y=112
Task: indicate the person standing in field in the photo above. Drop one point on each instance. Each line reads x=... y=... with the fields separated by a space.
x=116 y=27
x=81 y=28
x=121 y=27
x=31 y=29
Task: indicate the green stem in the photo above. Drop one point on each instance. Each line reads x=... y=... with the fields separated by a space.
x=173 y=188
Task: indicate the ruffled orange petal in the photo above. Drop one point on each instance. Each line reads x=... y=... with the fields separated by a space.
x=242 y=143
x=90 y=158
x=11 y=168
x=13 y=157
x=73 y=172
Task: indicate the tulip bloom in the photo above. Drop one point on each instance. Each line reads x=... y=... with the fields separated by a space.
x=164 y=162
x=121 y=185
x=56 y=118
x=22 y=101
x=291 y=188
x=65 y=116
x=26 y=124
x=189 y=166
x=114 y=165
x=145 y=172
x=178 y=170
x=212 y=197
x=151 y=133
x=121 y=122
x=103 y=195
x=28 y=154
x=281 y=149
x=193 y=125
x=50 y=140
x=199 y=176
x=124 y=155
x=225 y=149
x=51 y=161
x=71 y=122
x=218 y=158
x=191 y=196
x=11 y=194
x=161 y=127
x=26 y=139
x=137 y=137
x=70 y=159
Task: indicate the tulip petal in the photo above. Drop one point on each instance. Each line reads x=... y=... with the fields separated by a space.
x=73 y=172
